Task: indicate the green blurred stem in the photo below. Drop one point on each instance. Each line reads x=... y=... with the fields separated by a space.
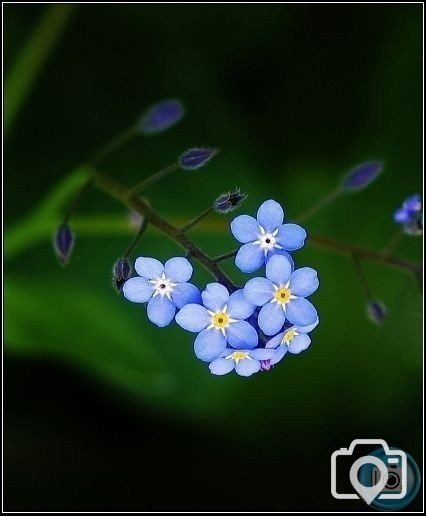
x=325 y=201
x=33 y=56
x=196 y=220
x=154 y=178
x=362 y=277
x=118 y=141
x=127 y=197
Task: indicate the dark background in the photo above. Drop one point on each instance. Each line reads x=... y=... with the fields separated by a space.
x=102 y=410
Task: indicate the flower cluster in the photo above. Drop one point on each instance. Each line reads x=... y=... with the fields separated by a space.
x=410 y=214
x=251 y=328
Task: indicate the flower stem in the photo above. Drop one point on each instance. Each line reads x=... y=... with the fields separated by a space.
x=325 y=201
x=226 y=256
x=146 y=183
x=136 y=238
x=392 y=243
x=77 y=200
x=127 y=197
x=116 y=142
x=196 y=220
x=362 y=277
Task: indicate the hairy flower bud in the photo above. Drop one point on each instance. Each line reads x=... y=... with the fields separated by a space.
x=196 y=158
x=161 y=116
x=377 y=312
x=120 y=273
x=362 y=175
x=63 y=243
x=229 y=201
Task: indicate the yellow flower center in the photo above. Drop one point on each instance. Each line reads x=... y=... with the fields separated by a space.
x=220 y=320
x=238 y=355
x=289 y=335
x=282 y=295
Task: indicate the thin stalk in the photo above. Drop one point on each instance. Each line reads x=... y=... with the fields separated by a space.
x=325 y=201
x=136 y=238
x=225 y=256
x=362 y=277
x=126 y=197
x=149 y=181
x=196 y=220
x=119 y=140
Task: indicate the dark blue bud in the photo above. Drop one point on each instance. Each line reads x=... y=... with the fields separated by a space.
x=229 y=201
x=362 y=175
x=161 y=116
x=377 y=312
x=196 y=158
x=63 y=243
x=120 y=273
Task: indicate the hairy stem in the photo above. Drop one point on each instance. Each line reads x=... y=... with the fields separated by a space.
x=136 y=238
x=127 y=197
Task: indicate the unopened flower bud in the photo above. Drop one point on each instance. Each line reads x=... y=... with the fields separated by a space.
x=161 y=116
x=265 y=365
x=229 y=201
x=63 y=243
x=362 y=175
x=376 y=312
x=196 y=158
x=120 y=273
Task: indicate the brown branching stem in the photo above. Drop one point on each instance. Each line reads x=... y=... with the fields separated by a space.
x=137 y=204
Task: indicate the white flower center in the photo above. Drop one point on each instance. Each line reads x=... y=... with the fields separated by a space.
x=163 y=286
x=283 y=295
x=267 y=241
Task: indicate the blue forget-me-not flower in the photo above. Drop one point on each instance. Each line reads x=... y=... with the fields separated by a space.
x=220 y=321
x=293 y=339
x=264 y=236
x=282 y=295
x=410 y=214
x=164 y=287
x=245 y=361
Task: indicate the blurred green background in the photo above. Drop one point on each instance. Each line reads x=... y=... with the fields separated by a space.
x=103 y=411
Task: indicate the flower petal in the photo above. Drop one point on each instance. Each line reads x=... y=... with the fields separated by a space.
x=280 y=352
x=308 y=328
x=193 y=318
x=241 y=335
x=271 y=318
x=138 y=290
x=250 y=258
x=278 y=269
x=301 y=312
x=209 y=344
x=149 y=267
x=304 y=282
x=401 y=216
x=161 y=311
x=239 y=307
x=262 y=353
x=270 y=215
x=186 y=293
x=245 y=229
x=222 y=366
x=215 y=296
x=291 y=236
x=178 y=269
x=247 y=367
x=259 y=291
x=275 y=341
x=299 y=343
x=275 y=251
